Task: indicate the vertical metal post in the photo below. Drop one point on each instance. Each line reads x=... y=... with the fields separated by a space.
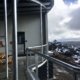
x=36 y=64
x=28 y=56
x=76 y=76
x=41 y=25
x=47 y=70
x=47 y=46
x=27 y=60
x=15 y=50
x=6 y=36
x=46 y=19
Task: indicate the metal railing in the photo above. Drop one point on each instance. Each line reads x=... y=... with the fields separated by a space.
x=33 y=68
x=33 y=60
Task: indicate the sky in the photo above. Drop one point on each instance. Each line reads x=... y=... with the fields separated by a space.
x=64 y=21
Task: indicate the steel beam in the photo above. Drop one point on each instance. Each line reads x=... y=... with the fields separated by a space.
x=15 y=50
x=41 y=26
x=6 y=36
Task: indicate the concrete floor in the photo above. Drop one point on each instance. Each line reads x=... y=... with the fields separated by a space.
x=21 y=70
x=59 y=72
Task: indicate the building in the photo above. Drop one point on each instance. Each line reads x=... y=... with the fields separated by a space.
x=23 y=22
x=31 y=21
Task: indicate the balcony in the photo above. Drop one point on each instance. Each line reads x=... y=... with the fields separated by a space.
x=50 y=68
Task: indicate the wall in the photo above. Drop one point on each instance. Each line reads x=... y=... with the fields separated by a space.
x=28 y=24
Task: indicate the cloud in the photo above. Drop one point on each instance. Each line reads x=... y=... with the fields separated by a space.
x=68 y=35
x=74 y=23
x=64 y=21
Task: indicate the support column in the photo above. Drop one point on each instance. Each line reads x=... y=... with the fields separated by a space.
x=15 y=50
x=6 y=36
x=46 y=24
x=41 y=26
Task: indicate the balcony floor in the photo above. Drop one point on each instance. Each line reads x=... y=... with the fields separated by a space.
x=59 y=72
x=21 y=69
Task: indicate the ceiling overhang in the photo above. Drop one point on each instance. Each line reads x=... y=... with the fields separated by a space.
x=26 y=6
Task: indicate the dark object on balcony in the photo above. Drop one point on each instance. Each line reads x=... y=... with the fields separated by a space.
x=43 y=71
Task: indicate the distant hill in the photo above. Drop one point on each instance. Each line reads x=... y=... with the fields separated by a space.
x=74 y=43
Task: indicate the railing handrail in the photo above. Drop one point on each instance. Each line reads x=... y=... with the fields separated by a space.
x=38 y=2
x=68 y=66
x=37 y=46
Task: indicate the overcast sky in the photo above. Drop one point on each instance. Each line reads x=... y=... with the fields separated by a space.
x=64 y=20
